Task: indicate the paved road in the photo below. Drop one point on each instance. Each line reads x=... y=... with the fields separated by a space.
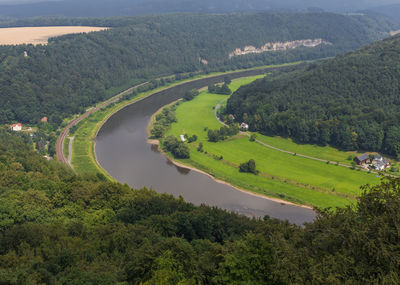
x=64 y=134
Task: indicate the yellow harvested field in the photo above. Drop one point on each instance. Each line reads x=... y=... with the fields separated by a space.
x=40 y=35
x=393 y=33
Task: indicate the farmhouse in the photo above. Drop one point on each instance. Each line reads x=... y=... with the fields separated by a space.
x=362 y=159
x=244 y=126
x=182 y=138
x=16 y=127
x=44 y=120
x=382 y=164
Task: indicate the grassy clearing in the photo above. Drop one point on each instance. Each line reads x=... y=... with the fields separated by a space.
x=282 y=175
x=83 y=157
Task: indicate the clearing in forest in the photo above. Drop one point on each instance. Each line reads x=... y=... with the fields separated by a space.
x=40 y=35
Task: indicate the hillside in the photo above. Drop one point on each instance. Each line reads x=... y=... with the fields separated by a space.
x=59 y=228
x=86 y=68
x=351 y=102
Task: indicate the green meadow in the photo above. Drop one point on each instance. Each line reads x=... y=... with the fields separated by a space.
x=284 y=176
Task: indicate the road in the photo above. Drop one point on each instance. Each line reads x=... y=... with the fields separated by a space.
x=64 y=133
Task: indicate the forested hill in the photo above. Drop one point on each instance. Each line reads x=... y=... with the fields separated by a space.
x=59 y=228
x=351 y=101
x=75 y=71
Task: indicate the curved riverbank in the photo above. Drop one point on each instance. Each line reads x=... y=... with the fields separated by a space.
x=83 y=157
x=188 y=167
x=123 y=151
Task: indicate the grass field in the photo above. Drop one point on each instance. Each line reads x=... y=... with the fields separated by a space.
x=40 y=35
x=282 y=175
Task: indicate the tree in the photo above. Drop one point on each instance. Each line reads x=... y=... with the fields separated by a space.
x=249 y=167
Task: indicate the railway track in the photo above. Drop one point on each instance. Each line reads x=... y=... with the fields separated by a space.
x=64 y=133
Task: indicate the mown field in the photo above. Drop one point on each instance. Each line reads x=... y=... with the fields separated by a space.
x=282 y=175
x=40 y=35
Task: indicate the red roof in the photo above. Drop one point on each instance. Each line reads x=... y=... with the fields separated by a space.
x=16 y=125
x=44 y=119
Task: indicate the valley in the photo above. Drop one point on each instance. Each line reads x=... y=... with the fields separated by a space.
x=281 y=175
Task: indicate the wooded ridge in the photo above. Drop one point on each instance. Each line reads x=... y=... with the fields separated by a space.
x=73 y=72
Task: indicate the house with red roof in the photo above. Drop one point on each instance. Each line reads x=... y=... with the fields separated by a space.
x=16 y=127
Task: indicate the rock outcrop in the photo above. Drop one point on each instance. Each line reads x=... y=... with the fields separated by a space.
x=279 y=46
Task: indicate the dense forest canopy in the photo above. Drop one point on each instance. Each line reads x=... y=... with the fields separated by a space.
x=351 y=101
x=75 y=71
x=60 y=228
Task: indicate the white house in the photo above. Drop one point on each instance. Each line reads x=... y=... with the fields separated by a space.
x=183 y=138
x=244 y=126
x=16 y=127
x=382 y=164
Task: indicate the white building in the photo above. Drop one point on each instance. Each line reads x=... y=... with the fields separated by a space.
x=183 y=138
x=16 y=127
x=244 y=126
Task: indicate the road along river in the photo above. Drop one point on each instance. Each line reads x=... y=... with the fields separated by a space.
x=122 y=150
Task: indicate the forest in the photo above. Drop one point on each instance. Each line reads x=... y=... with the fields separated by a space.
x=60 y=228
x=74 y=72
x=351 y=101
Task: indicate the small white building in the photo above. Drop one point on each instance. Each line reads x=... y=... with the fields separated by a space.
x=244 y=126
x=25 y=54
x=183 y=138
x=16 y=127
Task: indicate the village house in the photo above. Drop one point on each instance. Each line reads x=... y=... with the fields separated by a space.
x=182 y=138
x=44 y=120
x=362 y=159
x=378 y=162
x=244 y=126
x=16 y=127
x=232 y=117
x=381 y=164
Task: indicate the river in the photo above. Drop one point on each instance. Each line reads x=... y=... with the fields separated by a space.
x=122 y=150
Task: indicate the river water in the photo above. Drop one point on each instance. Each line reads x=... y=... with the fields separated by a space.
x=122 y=150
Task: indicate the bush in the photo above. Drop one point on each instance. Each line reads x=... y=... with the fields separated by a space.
x=176 y=147
x=190 y=94
x=223 y=90
x=249 y=167
x=192 y=139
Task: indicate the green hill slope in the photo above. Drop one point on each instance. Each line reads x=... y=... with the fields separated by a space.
x=75 y=71
x=59 y=228
x=351 y=101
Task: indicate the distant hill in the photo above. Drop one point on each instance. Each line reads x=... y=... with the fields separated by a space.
x=107 y=8
x=352 y=101
x=391 y=11
x=84 y=68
